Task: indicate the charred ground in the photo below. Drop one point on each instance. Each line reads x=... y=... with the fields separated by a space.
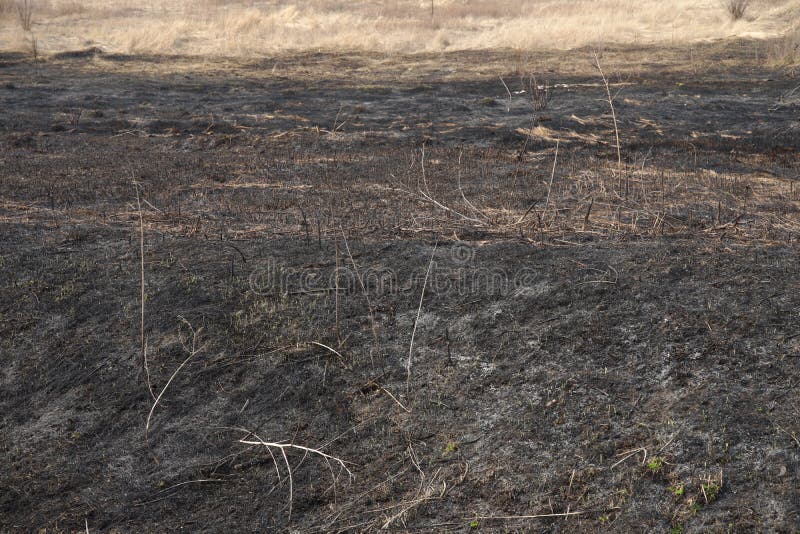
x=613 y=344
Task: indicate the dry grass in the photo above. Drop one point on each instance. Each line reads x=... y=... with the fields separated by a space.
x=646 y=202
x=25 y=10
x=6 y=7
x=737 y=8
x=231 y=27
x=786 y=51
x=20 y=10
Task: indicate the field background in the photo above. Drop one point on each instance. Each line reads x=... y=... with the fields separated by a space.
x=243 y=27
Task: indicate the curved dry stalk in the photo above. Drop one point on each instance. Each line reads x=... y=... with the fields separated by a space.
x=192 y=352
x=426 y=195
x=400 y=404
x=631 y=453
x=416 y=321
x=508 y=108
x=610 y=105
x=325 y=347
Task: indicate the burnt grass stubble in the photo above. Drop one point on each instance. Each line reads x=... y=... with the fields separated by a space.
x=640 y=374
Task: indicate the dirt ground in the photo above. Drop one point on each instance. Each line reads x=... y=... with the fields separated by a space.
x=383 y=292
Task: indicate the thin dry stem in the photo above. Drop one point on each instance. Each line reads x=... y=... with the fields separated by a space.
x=552 y=175
x=336 y=284
x=416 y=322
x=427 y=195
x=373 y=325
x=610 y=105
x=142 y=296
x=515 y=517
x=193 y=350
x=469 y=204
x=326 y=347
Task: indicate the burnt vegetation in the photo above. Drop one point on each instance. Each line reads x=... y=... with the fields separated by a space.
x=310 y=293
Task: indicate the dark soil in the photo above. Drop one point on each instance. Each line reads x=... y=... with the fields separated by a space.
x=603 y=347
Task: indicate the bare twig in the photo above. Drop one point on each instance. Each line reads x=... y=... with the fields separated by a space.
x=426 y=493
x=395 y=399
x=283 y=447
x=25 y=14
x=539 y=94
x=628 y=454
x=336 y=279
x=736 y=8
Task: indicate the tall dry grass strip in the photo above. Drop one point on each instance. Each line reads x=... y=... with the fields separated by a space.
x=225 y=28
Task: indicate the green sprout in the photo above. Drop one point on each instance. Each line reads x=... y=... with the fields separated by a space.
x=655 y=464
x=450 y=448
x=710 y=491
x=676 y=490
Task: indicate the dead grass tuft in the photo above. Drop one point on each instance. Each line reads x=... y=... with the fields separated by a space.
x=24 y=9
x=786 y=50
x=737 y=8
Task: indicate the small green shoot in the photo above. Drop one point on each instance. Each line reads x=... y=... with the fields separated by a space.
x=655 y=464
x=710 y=491
x=450 y=448
x=676 y=490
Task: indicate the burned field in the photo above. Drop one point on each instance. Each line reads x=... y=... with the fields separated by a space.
x=400 y=292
